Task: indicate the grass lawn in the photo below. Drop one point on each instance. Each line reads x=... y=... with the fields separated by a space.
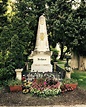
x=80 y=77
x=61 y=63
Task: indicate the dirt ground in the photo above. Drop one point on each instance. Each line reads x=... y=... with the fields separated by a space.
x=77 y=96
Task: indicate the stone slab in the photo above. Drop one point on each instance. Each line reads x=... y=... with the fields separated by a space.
x=41 y=68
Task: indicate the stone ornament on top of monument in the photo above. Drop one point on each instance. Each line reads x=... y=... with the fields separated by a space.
x=41 y=55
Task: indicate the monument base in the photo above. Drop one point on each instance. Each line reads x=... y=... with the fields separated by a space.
x=41 y=68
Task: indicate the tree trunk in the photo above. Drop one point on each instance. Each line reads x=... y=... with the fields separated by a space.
x=62 y=56
x=78 y=62
x=74 y=61
x=81 y=63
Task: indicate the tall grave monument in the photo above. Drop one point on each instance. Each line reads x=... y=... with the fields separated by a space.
x=41 y=55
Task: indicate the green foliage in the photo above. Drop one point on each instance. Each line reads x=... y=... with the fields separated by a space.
x=77 y=37
x=4 y=35
x=7 y=72
x=81 y=78
x=59 y=19
x=16 y=52
x=23 y=24
x=17 y=37
x=54 y=54
x=14 y=82
x=67 y=26
x=3 y=83
x=69 y=81
x=3 y=18
x=46 y=92
x=61 y=62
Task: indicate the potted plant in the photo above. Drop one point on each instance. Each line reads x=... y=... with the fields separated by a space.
x=70 y=83
x=15 y=85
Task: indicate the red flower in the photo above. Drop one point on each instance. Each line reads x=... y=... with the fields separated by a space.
x=23 y=78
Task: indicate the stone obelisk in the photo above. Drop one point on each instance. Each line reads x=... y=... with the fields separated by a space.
x=41 y=55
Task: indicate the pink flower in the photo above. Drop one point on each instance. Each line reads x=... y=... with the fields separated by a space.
x=45 y=83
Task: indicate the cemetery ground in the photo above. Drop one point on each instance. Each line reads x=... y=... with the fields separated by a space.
x=77 y=96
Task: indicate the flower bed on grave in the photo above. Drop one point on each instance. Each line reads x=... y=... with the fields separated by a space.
x=47 y=86
x=42 y=86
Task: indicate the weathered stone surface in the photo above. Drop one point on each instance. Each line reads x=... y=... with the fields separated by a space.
x=19 y=73
x=42 y=37
x=41 y=55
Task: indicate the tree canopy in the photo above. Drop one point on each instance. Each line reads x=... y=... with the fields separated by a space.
x=79 y=24
x=67 y=25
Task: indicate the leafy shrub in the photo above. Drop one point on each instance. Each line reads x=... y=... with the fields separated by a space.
x=7 y=72
x=54 y=55
x=3 y=72
x=69 y=81
x=14 y=82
